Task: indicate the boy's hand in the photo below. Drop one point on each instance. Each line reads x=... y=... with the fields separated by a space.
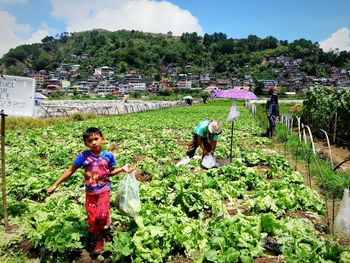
x=51 y=190
x=127 y=168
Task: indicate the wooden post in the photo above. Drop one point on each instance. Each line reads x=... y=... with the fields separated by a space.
x=285 y=140
x=231 y=142
x=327 y=214
x=308 y=159
x=335 y=126
x=4 y=202
x=308 y=171
x=333 y=215
x=296 y=156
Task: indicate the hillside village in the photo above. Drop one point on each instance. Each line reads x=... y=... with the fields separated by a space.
x=100 y=63
x=102 y=80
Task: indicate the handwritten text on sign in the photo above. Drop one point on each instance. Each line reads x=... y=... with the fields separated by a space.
x=17 y=95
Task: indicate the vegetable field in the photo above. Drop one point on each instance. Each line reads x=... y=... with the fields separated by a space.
x=254 y=209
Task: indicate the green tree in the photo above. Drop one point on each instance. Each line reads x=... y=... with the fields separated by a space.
x=123 y=67
x=157 y=76
x=48 y=39
x=17 y=53
x=205 y=96
x=253 y=43
x=269 y=42
x=259 y=88
x=42 y=62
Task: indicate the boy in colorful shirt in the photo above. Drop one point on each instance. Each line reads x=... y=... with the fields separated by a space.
x=99 y=165
x=205 y=135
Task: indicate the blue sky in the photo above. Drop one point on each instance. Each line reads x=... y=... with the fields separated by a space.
x=326 y=22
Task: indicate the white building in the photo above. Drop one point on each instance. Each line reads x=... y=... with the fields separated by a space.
x=75 y=67
x=131 y=78
x=125 y=88
x=139 y=86
x=104 y=71
x=183 y=84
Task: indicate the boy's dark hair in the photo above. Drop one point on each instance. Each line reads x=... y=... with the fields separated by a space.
x=90 y=131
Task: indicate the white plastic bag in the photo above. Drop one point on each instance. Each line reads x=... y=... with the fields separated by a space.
x=234 y=114
x=342 y=220
x=128 y=197
x=209 y=161
x=183 y=161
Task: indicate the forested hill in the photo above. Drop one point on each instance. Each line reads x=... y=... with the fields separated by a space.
x=216 y=53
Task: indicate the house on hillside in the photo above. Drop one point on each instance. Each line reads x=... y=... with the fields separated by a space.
x=123 y=88
x=183 y=84
x=224 y=83
x=181 y=77
x=80 y=87
x=188 y=67
x=138 y=86
x=136 y=82
x=104 y=88
x=211 y=88
x=204 y=79
x=54 y=81
x=73 y=72
x=50 y=89
x=132 y=78
x=104 y=72
x=40 y=77
x=169 y=69
x=155 y=86
x=247 y=88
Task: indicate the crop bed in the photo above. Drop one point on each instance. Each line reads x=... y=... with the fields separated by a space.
x=256 y=208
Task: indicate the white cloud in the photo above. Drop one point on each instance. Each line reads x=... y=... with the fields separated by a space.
x=142 y=15
x=10 y=33
x=37 y=36
x=339 y=40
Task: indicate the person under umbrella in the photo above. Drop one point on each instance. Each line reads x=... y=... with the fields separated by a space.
x=188 y=100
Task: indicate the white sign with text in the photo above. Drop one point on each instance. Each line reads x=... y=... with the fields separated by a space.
x=17 y=96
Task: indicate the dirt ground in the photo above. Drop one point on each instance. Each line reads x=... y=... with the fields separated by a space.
x=339 y=154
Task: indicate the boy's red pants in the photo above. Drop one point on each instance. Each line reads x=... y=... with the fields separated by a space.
x=97 y=209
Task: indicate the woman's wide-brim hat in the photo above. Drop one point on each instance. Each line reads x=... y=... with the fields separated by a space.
x=214 y=127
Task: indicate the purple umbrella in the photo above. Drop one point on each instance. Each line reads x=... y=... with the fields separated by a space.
x=236 y=94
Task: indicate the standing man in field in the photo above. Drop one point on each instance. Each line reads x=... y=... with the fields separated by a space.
x=99 y=166
x=272 y=112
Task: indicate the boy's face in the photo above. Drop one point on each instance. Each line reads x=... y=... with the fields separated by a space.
x=94 y=142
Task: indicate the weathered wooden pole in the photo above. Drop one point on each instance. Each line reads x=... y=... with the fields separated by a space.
x=4 y=202
x=335 y=127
